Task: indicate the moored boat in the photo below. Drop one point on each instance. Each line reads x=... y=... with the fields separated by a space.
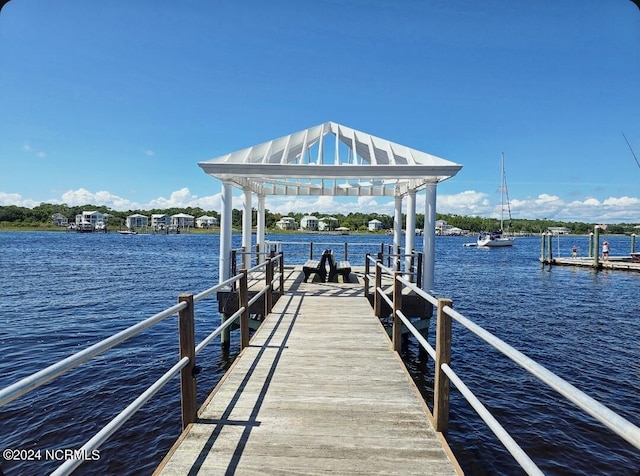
x=497 y=239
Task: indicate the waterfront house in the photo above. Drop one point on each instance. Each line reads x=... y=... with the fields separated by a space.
x=327 y=224
x=558 y=230
x=286 y=223
x=309 y=222
x=375 y=225
x=182 y=220
x=89 y=218
x=59 y=219
x=444 y=229
x=137 y=221
x=206 y=221
x=160 y=221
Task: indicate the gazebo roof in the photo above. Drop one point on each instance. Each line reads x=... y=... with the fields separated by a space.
x=330 y=159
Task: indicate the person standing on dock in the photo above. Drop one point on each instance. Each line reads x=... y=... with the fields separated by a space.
x=574 y=251
x=605 y=250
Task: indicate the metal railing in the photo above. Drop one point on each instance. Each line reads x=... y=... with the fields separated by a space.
x=187 y=357
x=444 y=373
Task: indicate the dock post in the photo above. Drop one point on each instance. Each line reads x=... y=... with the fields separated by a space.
x=596 y=246
x=591 y=245
x=346 y=251
x=633 y=242
x=542 y=243
x=243 y=301
x=443 y=356
x=366 y=275
x=186 y=329
x=397 y=306
x=550 y=247
x=377 y=299
x=311 y=250
x=268 y=296
x=225 y=336
x=419 y=271
x=281 y=267
x=412 y=263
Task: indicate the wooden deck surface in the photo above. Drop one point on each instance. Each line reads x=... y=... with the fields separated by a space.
x=318 y=391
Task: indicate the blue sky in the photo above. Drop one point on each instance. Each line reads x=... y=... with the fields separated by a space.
x=116 y=102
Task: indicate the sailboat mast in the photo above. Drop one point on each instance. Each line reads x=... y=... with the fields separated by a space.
x=502 y=193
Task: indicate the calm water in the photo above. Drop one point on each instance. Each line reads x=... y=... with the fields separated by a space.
x=62 y=292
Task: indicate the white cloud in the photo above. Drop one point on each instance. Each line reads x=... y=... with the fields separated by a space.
x=16 y=199
x=179 y=198
x=83 y=197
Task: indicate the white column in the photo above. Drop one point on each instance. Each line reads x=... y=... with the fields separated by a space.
x=410 y=232
x=246 y=229
x=261 y=226
x=429 y=238
x=225 y=232
x=397 y=223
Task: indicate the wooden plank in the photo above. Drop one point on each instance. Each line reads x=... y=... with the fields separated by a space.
x=318 y=390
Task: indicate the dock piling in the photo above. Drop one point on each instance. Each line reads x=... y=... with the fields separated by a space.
x=443 y=356
x=397 y=306
x=187 y=349
x=596 y=246
x=244 y=302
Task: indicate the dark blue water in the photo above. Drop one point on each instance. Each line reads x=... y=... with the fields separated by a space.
x=62 y=292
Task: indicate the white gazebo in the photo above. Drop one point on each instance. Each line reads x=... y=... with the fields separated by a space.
x=330 y=159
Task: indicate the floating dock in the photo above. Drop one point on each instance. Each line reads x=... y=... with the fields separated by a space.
x=594 y=260
x=614 y=262
x=318 y=390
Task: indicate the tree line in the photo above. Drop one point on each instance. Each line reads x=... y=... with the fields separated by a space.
x=41 y=216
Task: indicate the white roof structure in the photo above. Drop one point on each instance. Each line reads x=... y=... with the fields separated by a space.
x=330 y=159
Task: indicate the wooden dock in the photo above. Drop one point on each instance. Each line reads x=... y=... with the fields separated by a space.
x=621 y=263
x=319 y=390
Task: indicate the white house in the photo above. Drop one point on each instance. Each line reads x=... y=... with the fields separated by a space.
x=137 y=221
x=286 y=223
x=182 y=220
x=206 y=221
x=375 y=225
x=160 y=221
x=559 y=230
x=327 y=224
x=59 y=219
x=89 y=217
x=309 y=222
x=443 y=228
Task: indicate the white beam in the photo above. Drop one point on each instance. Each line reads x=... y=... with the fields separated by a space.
x=246 y=229
x=429 y=238
x=224 y=271
x=397 y=223
x=260 y=230
x=410 y=232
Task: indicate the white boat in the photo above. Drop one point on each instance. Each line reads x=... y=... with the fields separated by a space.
x=127 y=232
x=498 y=239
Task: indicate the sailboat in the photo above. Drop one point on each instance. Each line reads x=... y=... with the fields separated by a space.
x=496 y=239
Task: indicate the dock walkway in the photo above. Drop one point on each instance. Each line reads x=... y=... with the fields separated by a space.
x=319 y=390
